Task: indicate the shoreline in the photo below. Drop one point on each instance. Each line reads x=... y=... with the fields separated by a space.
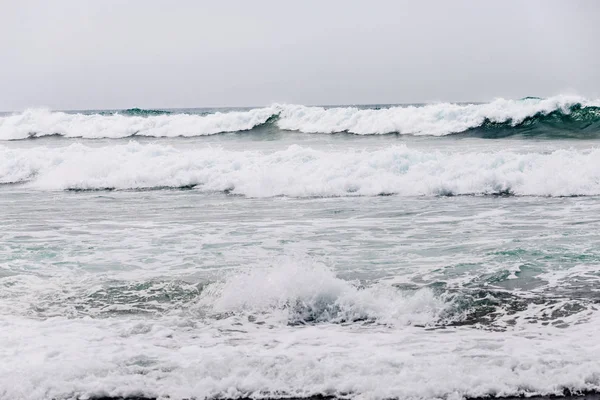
x=567 y=395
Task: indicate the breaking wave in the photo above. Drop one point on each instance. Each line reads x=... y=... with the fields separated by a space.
x=559 y=116
x=154 y=123
x=307 y=292
x=489 y=120
x=304 y=172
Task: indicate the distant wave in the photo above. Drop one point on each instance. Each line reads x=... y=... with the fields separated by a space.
x=568 y=113
x=304 y=172
x=143 y=113
x=38 y=123
x=559 y=116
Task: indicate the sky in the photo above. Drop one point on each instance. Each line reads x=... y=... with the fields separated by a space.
x=84 y=54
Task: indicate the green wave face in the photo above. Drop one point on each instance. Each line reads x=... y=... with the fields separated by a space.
x=578 y=122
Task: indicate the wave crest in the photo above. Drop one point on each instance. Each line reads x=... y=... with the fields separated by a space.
x=302 y=292
x=134 y=122
x=554 y=116
x=441 y=119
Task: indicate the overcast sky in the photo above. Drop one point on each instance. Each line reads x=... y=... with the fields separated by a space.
x=78 y=54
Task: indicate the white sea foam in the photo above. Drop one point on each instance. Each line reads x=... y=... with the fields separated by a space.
x=433 y=119
x=299 y=292
x=303 y=172
x=39 y=122
x=184 y=355
x=61 y=358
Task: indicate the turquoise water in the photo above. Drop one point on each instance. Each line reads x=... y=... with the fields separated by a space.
x=523 y=249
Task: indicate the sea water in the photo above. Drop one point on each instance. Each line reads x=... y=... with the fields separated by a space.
x=428 y=251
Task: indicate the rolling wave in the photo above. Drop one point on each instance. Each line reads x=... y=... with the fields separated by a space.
x=38 y=123
x=143 y=113
x=304 y=172
x=578 y=122
x=559 y=116
x=566 y=113
x=298 y=292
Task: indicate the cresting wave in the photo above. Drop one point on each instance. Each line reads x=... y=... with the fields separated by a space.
x=555 y=116
x=304 y=172
x=303 y=292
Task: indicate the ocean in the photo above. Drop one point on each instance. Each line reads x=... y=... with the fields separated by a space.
x=433 y=251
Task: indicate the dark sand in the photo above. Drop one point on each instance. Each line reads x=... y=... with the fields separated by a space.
x=568 y=395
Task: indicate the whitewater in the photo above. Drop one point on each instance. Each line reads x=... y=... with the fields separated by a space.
x=434 y=119
x=436 y=251
x=299 y=171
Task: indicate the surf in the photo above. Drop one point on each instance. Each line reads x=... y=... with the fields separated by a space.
x=304 y=172
x=555 y=117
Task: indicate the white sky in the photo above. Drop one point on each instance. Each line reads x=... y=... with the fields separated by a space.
x=82 y=54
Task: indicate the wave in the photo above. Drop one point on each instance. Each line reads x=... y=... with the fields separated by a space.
x=144 y=113
x=557 y=116
x=578 y=122
x=131 y=112
x=302 y=292
x=567 y=113
x=39 y=123
x=304 y=172
x=297 y=291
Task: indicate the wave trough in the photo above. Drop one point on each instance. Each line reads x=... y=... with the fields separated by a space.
x=555 y=116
